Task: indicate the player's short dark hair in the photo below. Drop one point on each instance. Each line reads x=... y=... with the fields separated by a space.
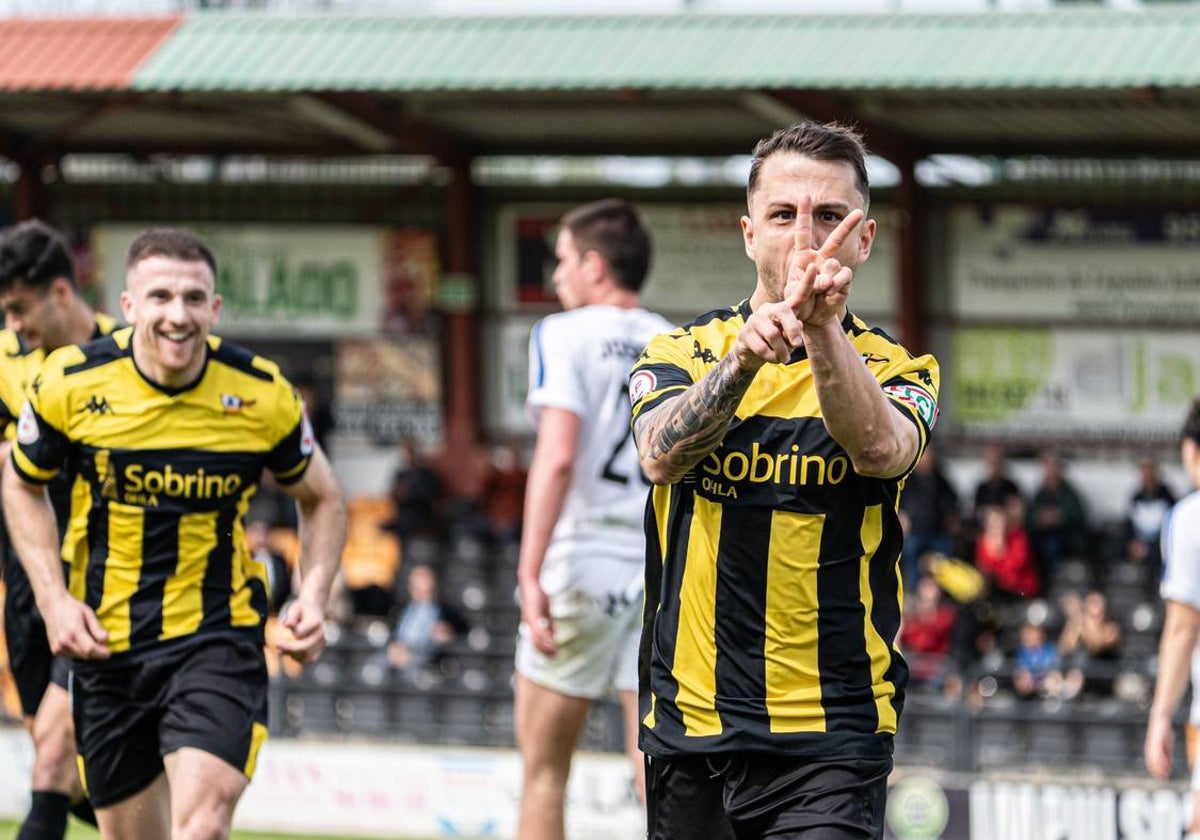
x=176 y=243
x=34 y=254
x=1191 y=425
x=613 y=229
x=832 y=141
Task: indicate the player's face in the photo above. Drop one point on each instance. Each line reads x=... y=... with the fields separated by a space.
x=39 y=316
x=569 y=275
x=172 y=305
x=769 y=230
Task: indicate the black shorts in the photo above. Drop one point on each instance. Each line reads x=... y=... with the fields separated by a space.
x=746 y=796
x=211 y=695
x=32 y=664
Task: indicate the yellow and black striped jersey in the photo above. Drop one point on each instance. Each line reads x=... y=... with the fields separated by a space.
x=156 y=545
x=19 y=368
x=20 y=364
x=772 y=589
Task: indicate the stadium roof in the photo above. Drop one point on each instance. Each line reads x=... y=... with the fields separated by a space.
x=1075 y=82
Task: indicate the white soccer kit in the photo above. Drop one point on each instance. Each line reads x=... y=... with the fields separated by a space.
x=579 y=361
x=1181 y=582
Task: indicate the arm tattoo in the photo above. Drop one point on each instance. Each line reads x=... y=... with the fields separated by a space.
x=682 y=432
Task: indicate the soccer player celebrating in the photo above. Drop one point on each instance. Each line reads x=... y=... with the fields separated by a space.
x=582 y=549
x=778 y=432
x=43 y=310
x=168 y=429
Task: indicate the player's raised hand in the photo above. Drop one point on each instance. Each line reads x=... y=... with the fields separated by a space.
x=73 y=630
x=306 y=622
x=820 y=297
x=772 y=331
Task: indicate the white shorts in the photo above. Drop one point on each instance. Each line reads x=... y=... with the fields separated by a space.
x=597 y=646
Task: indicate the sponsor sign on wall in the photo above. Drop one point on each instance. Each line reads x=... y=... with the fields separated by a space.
x=699 y=260
x=1030 y=264
x=1073 y=384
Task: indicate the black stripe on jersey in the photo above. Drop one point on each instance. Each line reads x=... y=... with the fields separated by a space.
x=218 y=575
x=846 y=693
x=97 y=555
x=98 y=353
x=160 y=530
x=741 y=603
x=664 y=628
x=287 y=456
x=885 y=612
x=240 y=359
x=742 y=309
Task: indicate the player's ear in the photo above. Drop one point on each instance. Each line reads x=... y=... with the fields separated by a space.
x=866 y=237
x=127 y=306
x=748 y=236
x=216 y=308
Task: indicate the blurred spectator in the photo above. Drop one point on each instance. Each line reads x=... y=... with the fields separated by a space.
x=462 y=467
x=926 y=632
x=1036 y=658
x=320 y=416
x=416 y=494
x=1089 y=636
x=1144 y=520
x=279 y=574
x=1003 y=554
x=996 y=489
x=371 y=559
x=504 y=494
x=928 y=513
x=1057 y=519
x=426 y=624
x=271 y=505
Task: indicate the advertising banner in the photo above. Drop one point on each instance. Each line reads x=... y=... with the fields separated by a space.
x=386 y=390
x=1030 y=264
x=1132 y=386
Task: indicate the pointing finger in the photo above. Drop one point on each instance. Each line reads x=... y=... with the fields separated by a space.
x=803 y=240
x=840 y=233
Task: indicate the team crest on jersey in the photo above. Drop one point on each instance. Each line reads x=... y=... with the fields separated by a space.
x=233 y=403
x=641 y=384
x=916 y=398
x=27 y=427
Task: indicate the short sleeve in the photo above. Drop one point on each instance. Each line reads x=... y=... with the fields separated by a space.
x=1181 y=553
x=290 y=457
x=554 y=376
x=40 y=444
x=663 y=372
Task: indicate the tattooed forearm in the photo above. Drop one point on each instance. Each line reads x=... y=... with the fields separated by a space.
x=679 y=434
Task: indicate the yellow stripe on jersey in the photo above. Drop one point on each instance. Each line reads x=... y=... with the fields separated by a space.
x=695 y=643
x=122 y=571
x=258 y=737
x=183 y=599
x=877 y=649
x=793 y=671
x=649 y=720
x=242 y=614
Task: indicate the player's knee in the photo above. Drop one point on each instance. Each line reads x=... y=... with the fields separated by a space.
x=210 y=823
x=54 y=759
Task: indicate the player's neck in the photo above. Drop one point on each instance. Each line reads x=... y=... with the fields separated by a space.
x=616 y=296
x=82 y=322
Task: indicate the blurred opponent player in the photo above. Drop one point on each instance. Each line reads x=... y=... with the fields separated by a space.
x=1181 y=629
x=582 y=549
x=43 y=311
x=168 y=430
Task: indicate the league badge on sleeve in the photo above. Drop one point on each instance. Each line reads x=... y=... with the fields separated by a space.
x=308 y=441
x=27 y=426
x=641 y=384
x=916 y=398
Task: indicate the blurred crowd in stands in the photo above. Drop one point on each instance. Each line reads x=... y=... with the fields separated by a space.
x=1027 y=596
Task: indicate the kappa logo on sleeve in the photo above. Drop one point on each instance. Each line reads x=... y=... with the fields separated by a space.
x=916 y=398
x=641 y=384
x=27 y=426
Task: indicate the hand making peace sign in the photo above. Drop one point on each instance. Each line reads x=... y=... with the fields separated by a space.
x=815 y=292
